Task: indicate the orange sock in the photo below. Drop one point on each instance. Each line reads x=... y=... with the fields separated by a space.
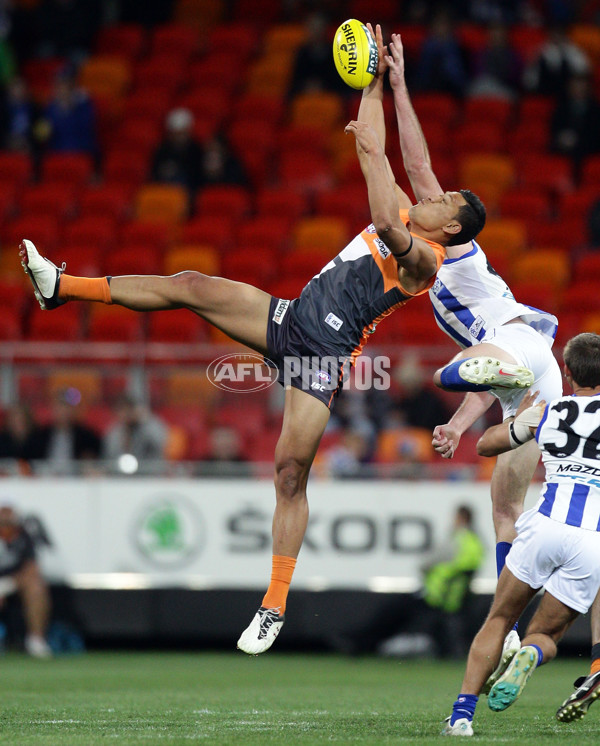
x=281 y=577
x=84 y=288
x=595 y=666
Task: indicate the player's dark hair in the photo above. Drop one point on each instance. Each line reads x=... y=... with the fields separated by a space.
x=582 y=358
x=471 y=218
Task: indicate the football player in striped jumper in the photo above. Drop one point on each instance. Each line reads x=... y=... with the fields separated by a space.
x=501 y=340
x=557 y=546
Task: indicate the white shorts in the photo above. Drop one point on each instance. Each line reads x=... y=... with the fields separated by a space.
x=530 y=349
x=564 y=559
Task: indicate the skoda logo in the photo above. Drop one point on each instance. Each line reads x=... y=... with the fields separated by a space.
x=169 y=531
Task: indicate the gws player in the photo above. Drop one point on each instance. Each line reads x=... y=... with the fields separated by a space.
x=558 y=541
x=476 y=308
x=391 y=261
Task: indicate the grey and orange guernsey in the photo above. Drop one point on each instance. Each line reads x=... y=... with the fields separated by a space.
x=337 y=312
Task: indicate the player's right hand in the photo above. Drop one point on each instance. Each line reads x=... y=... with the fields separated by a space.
x=365 y=136
x=445 y=440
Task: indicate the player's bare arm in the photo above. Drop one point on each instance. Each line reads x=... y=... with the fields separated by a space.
x=415 y=153
x=447 y=437
x=415 y=257
x=370 y=110
x=513 y=433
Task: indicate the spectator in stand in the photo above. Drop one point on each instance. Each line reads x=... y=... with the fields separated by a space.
x=557 y=61
x=138 y=434
x=178 y=157
x=226 y=456
x=313 y=68
x=219 y=164
x=441 y=65
x=18 y=436
x=575 y=124
x=20 y=573
x=346 y=460
x=415 y=402
x=68 y=122
x=20 y=114
x=497 y=68
x=66 y=444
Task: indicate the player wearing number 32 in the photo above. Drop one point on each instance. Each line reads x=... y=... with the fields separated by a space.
x=558 y=541
x=381 y=269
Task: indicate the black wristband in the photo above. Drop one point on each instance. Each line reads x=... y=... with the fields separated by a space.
x=404 y=253
x=511 y=430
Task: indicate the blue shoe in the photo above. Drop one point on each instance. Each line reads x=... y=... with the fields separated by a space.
x=512 y=682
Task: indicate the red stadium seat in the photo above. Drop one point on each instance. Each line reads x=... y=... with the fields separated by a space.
x=590 y=173
x=54 y=327
x=204 y=229
x=161 y=71
x=231 y=201
x=150 y=104
x=256 y=266
x=143 y=234
x=264 y=231
x=176 y=326
x=126 y=168
x=110 y=200
x=217 y=70
x=536 y=110
x=308 y=172
x=586 y=266
x=174 y=39
x=10 y=328
x=546 y=171
x=72 y=168
x=525 y=204
x=43 y=230
x=229 y=36
x=580 y=296
x=40 y=74
x=282 y=202
x=487 y=109
x=126 y=40
x=577 y=204
x=528 y=137
x=561 y=234
x=84 y=260
x=115 y=324
x=15 y=168
x=49 y=199
x=132 y=261
x=438 y=107
x=478 y=137
x=100 y=232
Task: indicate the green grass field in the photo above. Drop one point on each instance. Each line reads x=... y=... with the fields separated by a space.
x=223 y=698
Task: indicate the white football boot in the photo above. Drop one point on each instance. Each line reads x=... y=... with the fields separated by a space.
x=461 y=727
x=262 y=631
x=495 y=373
x=44 y=275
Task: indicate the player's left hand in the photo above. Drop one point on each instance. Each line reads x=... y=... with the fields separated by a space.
x=395 y=61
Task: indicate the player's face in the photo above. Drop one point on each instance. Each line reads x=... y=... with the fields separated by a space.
x=435 y=212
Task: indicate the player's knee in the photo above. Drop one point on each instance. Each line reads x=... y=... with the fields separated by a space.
x=190 y=287
x=290 y=477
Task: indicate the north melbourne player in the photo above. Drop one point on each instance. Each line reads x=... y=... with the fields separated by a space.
x=474 y=306
x=558 y=541
x=390 y=262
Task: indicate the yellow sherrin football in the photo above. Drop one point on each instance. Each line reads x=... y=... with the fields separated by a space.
x=355 y=54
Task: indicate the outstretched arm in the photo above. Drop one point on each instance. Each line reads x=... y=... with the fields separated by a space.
x=370 y=110
x=413 y=255
x=412 y=141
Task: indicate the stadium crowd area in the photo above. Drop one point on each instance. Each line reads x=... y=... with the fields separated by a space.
x=153 y=137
